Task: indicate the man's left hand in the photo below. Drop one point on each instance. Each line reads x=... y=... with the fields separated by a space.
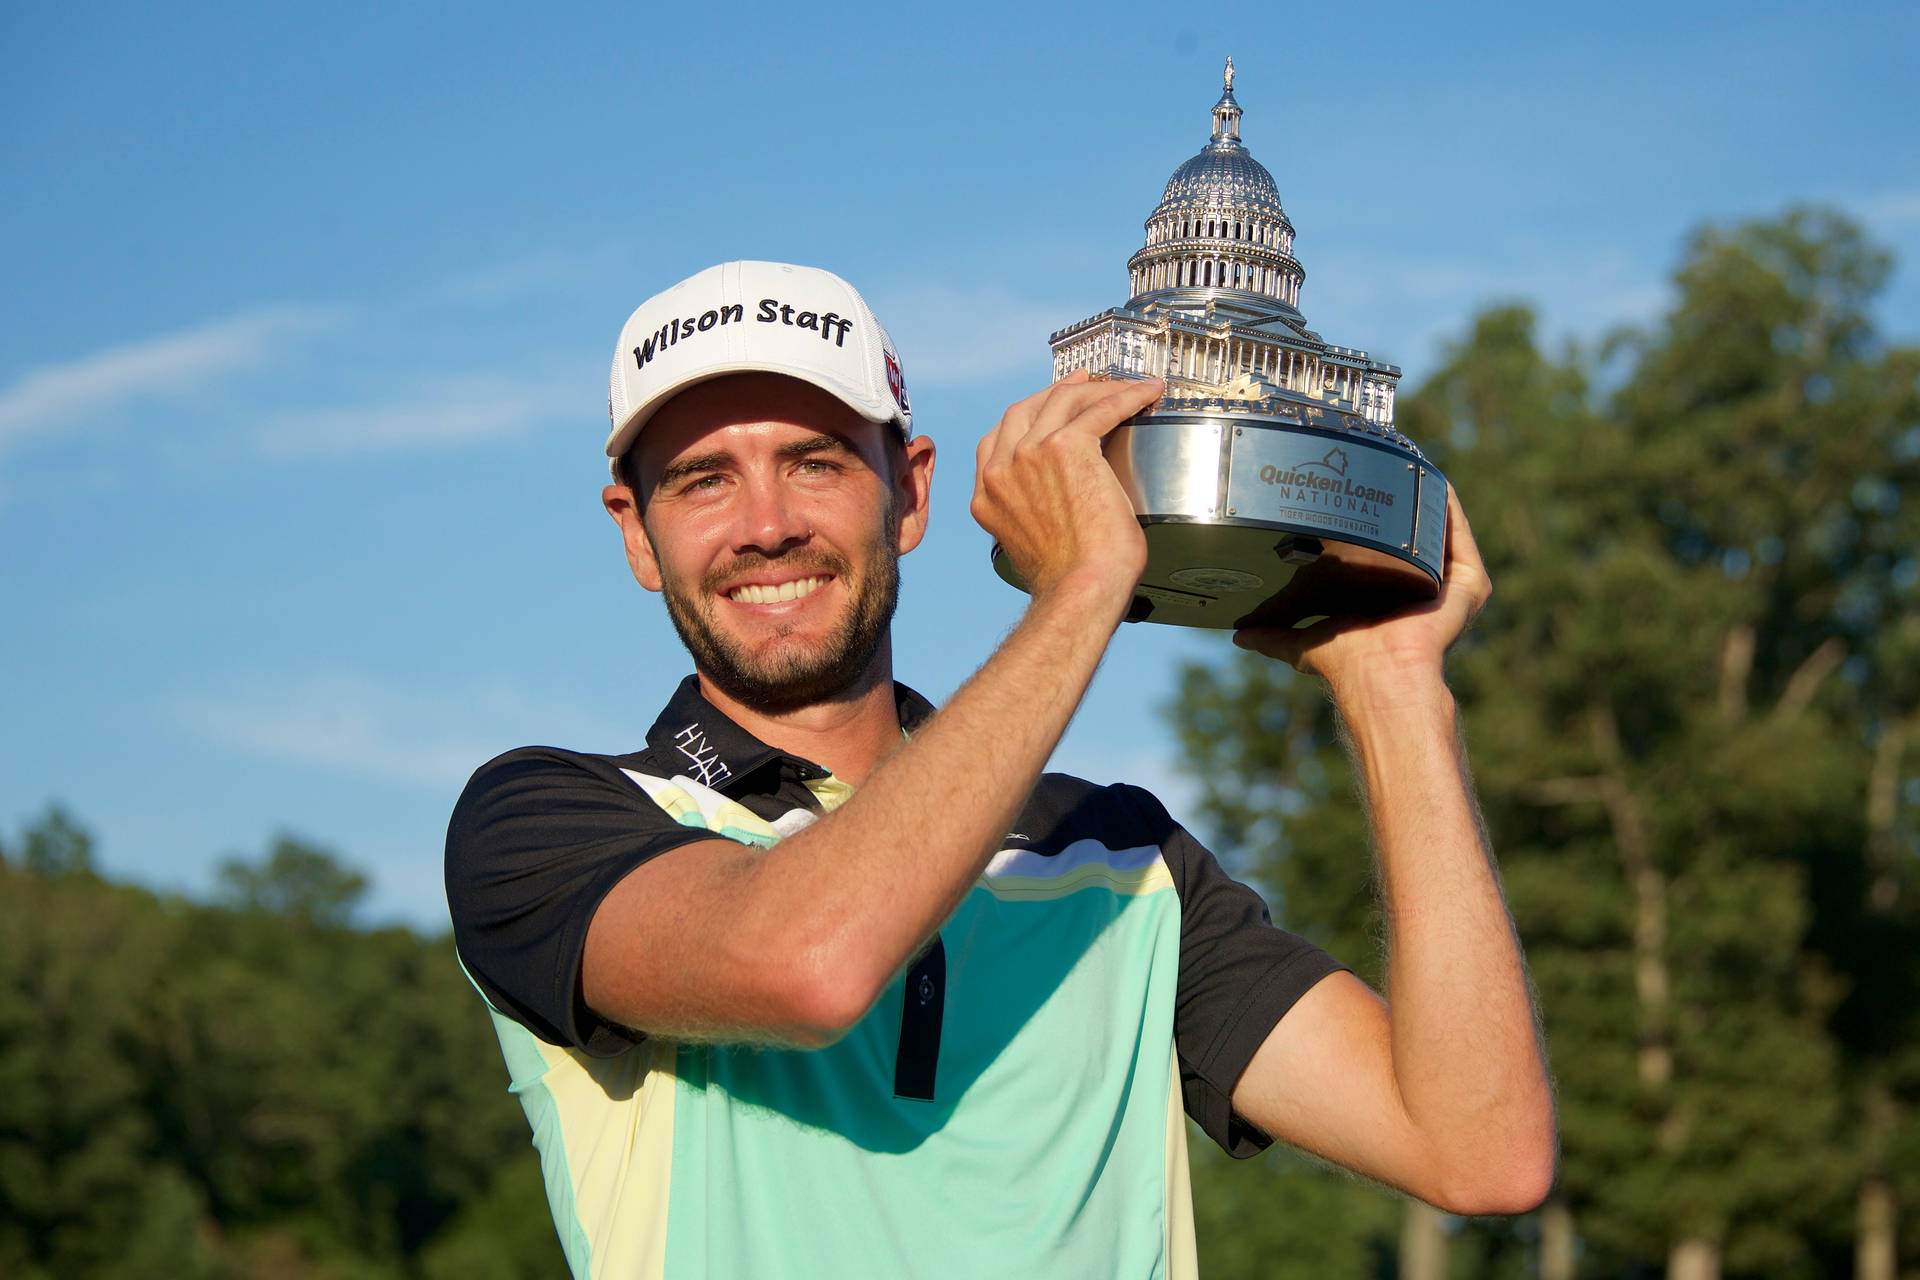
x=1406 y=644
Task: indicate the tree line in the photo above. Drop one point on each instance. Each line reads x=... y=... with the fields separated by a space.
x=250 y=1087
x=1691 y=707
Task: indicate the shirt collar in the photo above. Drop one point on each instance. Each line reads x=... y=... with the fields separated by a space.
x=699 y=740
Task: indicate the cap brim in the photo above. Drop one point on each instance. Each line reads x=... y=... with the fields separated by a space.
x=622 y=437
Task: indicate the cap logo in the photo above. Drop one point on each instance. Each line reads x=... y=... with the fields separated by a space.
x=831 y=327
x=670 y=333
x=896 y=382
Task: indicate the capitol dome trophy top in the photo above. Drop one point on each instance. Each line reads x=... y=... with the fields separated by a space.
x=1270 y=481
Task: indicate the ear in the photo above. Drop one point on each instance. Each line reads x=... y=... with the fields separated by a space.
x=914 y=489
x=625 y=510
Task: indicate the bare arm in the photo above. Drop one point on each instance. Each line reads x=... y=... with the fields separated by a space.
x=793 y=944
x=1442 y=1089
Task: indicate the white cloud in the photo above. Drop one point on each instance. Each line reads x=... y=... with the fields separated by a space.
x=348 y=724
x=1890 y=209
x=1404 y=310
x=950 y=337
x=1399 y=309
x=174 y=365
x=538 y=273
x=441 y=414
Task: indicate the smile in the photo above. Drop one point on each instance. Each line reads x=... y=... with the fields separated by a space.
x=754 y=593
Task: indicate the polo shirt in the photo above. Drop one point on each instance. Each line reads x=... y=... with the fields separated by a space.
x=1011 y=1105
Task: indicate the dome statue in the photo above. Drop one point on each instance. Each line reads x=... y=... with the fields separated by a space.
x=1269 y=479
x=1219 y=224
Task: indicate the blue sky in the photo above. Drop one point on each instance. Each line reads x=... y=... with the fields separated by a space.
x=308 y=313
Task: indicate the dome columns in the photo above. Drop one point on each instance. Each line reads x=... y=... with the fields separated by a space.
x=1215 y=295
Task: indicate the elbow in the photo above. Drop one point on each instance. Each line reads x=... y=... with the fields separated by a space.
x=818 y=1019
x=825 y=996
x=1505 y=1198
x=1514 y=1181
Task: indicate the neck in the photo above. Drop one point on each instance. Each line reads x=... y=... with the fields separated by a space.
x=849 y=733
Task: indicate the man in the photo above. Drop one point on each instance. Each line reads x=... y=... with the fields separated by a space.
x=823 y=982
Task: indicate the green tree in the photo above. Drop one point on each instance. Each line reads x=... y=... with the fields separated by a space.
x=57 y=846
x=249 y=1089
x=297 y=881
x=1772 y=355
x=1700 y=642
x=83 y=1190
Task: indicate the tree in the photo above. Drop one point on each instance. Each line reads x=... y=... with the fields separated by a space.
x=57 y=846
x=297 y=881
x=1698 y=654
x=249 y=1089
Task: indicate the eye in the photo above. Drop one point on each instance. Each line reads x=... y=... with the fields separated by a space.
x=703 y=484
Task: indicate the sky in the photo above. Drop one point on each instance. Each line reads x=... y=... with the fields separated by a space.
x=307 y=314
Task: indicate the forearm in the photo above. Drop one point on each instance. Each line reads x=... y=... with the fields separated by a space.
x=1465 y=1049
x=879 y=876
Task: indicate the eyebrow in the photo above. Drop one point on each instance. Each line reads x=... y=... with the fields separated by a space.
x=681 y=468
x=819 y=443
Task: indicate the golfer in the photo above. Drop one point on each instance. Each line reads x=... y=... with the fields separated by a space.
x=819 y=980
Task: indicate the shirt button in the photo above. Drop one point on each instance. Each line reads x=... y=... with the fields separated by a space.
x=926 y=989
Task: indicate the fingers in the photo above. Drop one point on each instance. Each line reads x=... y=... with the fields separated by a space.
x=1466 y=573
x=1294 y=646
x=1046 y=494
x=1018 y=418
x=1075 y=403
x=1340 y=644
x=1461 y=545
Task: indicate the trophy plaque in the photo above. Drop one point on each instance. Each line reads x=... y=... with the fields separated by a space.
x=1269 y=480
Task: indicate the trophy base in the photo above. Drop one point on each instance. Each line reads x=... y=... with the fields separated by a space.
x=1274 y=514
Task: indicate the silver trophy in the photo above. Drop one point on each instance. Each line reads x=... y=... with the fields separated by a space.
x=1270 y=482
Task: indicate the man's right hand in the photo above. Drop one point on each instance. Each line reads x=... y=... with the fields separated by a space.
x=1043 y=489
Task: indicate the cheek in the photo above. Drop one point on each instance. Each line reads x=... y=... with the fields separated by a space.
x=682 y=540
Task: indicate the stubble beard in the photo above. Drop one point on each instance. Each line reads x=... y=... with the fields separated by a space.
x=792 y=676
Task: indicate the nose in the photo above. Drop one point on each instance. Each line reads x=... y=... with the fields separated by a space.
x=770 y=519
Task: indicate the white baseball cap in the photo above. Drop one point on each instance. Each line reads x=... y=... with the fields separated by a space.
x=743 y=317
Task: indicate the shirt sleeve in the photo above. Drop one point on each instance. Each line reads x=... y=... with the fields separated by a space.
x=1238 y=976
x=537 y=840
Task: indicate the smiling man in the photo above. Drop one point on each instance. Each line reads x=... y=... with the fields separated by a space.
x=822 y=982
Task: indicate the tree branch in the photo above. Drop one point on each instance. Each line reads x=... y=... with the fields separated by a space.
x=1651 y=981
x=1883 y=795
x=1736 y=665
x=1805 y=681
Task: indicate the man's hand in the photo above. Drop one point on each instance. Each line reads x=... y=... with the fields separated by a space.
x=1410 y=643
x=1046 y=494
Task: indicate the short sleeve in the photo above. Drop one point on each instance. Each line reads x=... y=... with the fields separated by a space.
x=538 y=838
x=1238 y=976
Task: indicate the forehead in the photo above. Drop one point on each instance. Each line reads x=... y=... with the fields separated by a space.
x=743 y=406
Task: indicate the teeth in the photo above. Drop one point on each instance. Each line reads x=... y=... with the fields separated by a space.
x=757 y=594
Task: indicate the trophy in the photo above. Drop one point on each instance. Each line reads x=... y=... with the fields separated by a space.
x=1269 y=480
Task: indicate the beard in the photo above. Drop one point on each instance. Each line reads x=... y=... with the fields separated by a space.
x=793 y=675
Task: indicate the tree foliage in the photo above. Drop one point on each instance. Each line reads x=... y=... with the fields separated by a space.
x=247 y=1089
x=1688 y=704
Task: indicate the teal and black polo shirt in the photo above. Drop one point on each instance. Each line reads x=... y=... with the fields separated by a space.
x=1012 y=1105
